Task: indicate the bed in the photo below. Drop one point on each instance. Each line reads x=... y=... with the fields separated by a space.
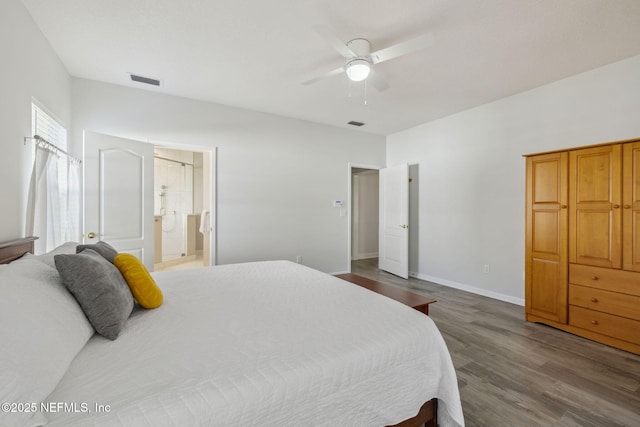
x=269 y=343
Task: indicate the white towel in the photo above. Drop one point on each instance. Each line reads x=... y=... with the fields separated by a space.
x=204 y=222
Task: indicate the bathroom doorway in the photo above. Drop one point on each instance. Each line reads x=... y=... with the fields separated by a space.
x=178 y=207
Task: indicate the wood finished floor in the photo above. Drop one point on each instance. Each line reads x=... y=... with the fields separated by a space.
x=514 y=373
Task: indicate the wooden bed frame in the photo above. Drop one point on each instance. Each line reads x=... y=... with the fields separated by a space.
x=427 y=416
x=14 y=249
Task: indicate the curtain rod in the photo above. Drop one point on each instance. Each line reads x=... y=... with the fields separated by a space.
x=172 y=160
x=51 y=146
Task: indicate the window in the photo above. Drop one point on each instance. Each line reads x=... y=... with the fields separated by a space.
x=48 y=127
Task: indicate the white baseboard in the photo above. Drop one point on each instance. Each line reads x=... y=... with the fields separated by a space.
x=469 y=288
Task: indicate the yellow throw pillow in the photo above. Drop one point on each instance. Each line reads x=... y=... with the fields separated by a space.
x=142 y=285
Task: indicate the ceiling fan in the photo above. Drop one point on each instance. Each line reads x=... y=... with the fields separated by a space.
x=360 y=59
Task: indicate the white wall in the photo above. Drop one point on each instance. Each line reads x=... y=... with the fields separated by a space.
x=472 y=174
x=29 y=69
x=276 y=177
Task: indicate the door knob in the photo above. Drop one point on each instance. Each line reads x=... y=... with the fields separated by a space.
x=616 y=206
x=91 y=235
x=404 y=226
x=627 y=206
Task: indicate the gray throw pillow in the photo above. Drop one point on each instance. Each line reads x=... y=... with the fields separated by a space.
x=107 y=251
x=99 y=288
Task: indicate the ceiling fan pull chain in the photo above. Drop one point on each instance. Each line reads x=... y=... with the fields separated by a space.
x=365 y=91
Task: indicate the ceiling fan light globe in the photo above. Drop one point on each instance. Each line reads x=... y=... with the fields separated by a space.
x=358 y=70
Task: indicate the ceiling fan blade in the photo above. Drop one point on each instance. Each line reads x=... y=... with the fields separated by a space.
x=377 y=81
x=391 y=52
x=329 y=36
x=325 y=76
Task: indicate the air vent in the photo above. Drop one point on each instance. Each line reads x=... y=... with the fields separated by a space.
x=145 y=80
x=353 y=123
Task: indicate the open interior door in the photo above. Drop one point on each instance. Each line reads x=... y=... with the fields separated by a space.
x=394 y=220
x=118 y=194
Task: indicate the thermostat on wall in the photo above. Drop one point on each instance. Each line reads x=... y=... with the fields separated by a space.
x=337 y=203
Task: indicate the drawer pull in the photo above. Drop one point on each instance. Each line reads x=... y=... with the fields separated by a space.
x=594 y=299
x=594 y=322
x=594 y=277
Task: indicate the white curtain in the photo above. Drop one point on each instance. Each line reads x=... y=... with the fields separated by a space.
x=53 y=204
x=73 y=201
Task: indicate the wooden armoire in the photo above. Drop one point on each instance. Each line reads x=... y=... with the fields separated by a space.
x=582 y=265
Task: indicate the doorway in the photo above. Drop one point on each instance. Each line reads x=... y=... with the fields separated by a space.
x=179 y=207
x=364 y=217
x=362 y=196
x=119 y=196
x=364 y=222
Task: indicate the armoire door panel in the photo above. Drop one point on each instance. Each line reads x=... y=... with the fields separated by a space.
x=546 y=229
x=631 y=247
x=631 y=207
x=549 y=297
x=593 y=175
x=546 y=265
x=546 y=185
x=631 y=155
x=595 y=206
x=593 y=238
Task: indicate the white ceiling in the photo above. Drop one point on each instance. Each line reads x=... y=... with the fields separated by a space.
x=254 y=54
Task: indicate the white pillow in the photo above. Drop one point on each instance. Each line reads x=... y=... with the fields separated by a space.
x=42 y=328
x=63 y=249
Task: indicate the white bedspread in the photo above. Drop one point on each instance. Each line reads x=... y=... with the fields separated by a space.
x=268 y=344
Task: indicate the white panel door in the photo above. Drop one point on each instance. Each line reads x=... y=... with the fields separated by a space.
x=394 y=220
x=118 y=194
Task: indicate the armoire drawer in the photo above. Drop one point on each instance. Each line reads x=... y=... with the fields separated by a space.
x=627 y=282
x=608 y=302
x=605 y=324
